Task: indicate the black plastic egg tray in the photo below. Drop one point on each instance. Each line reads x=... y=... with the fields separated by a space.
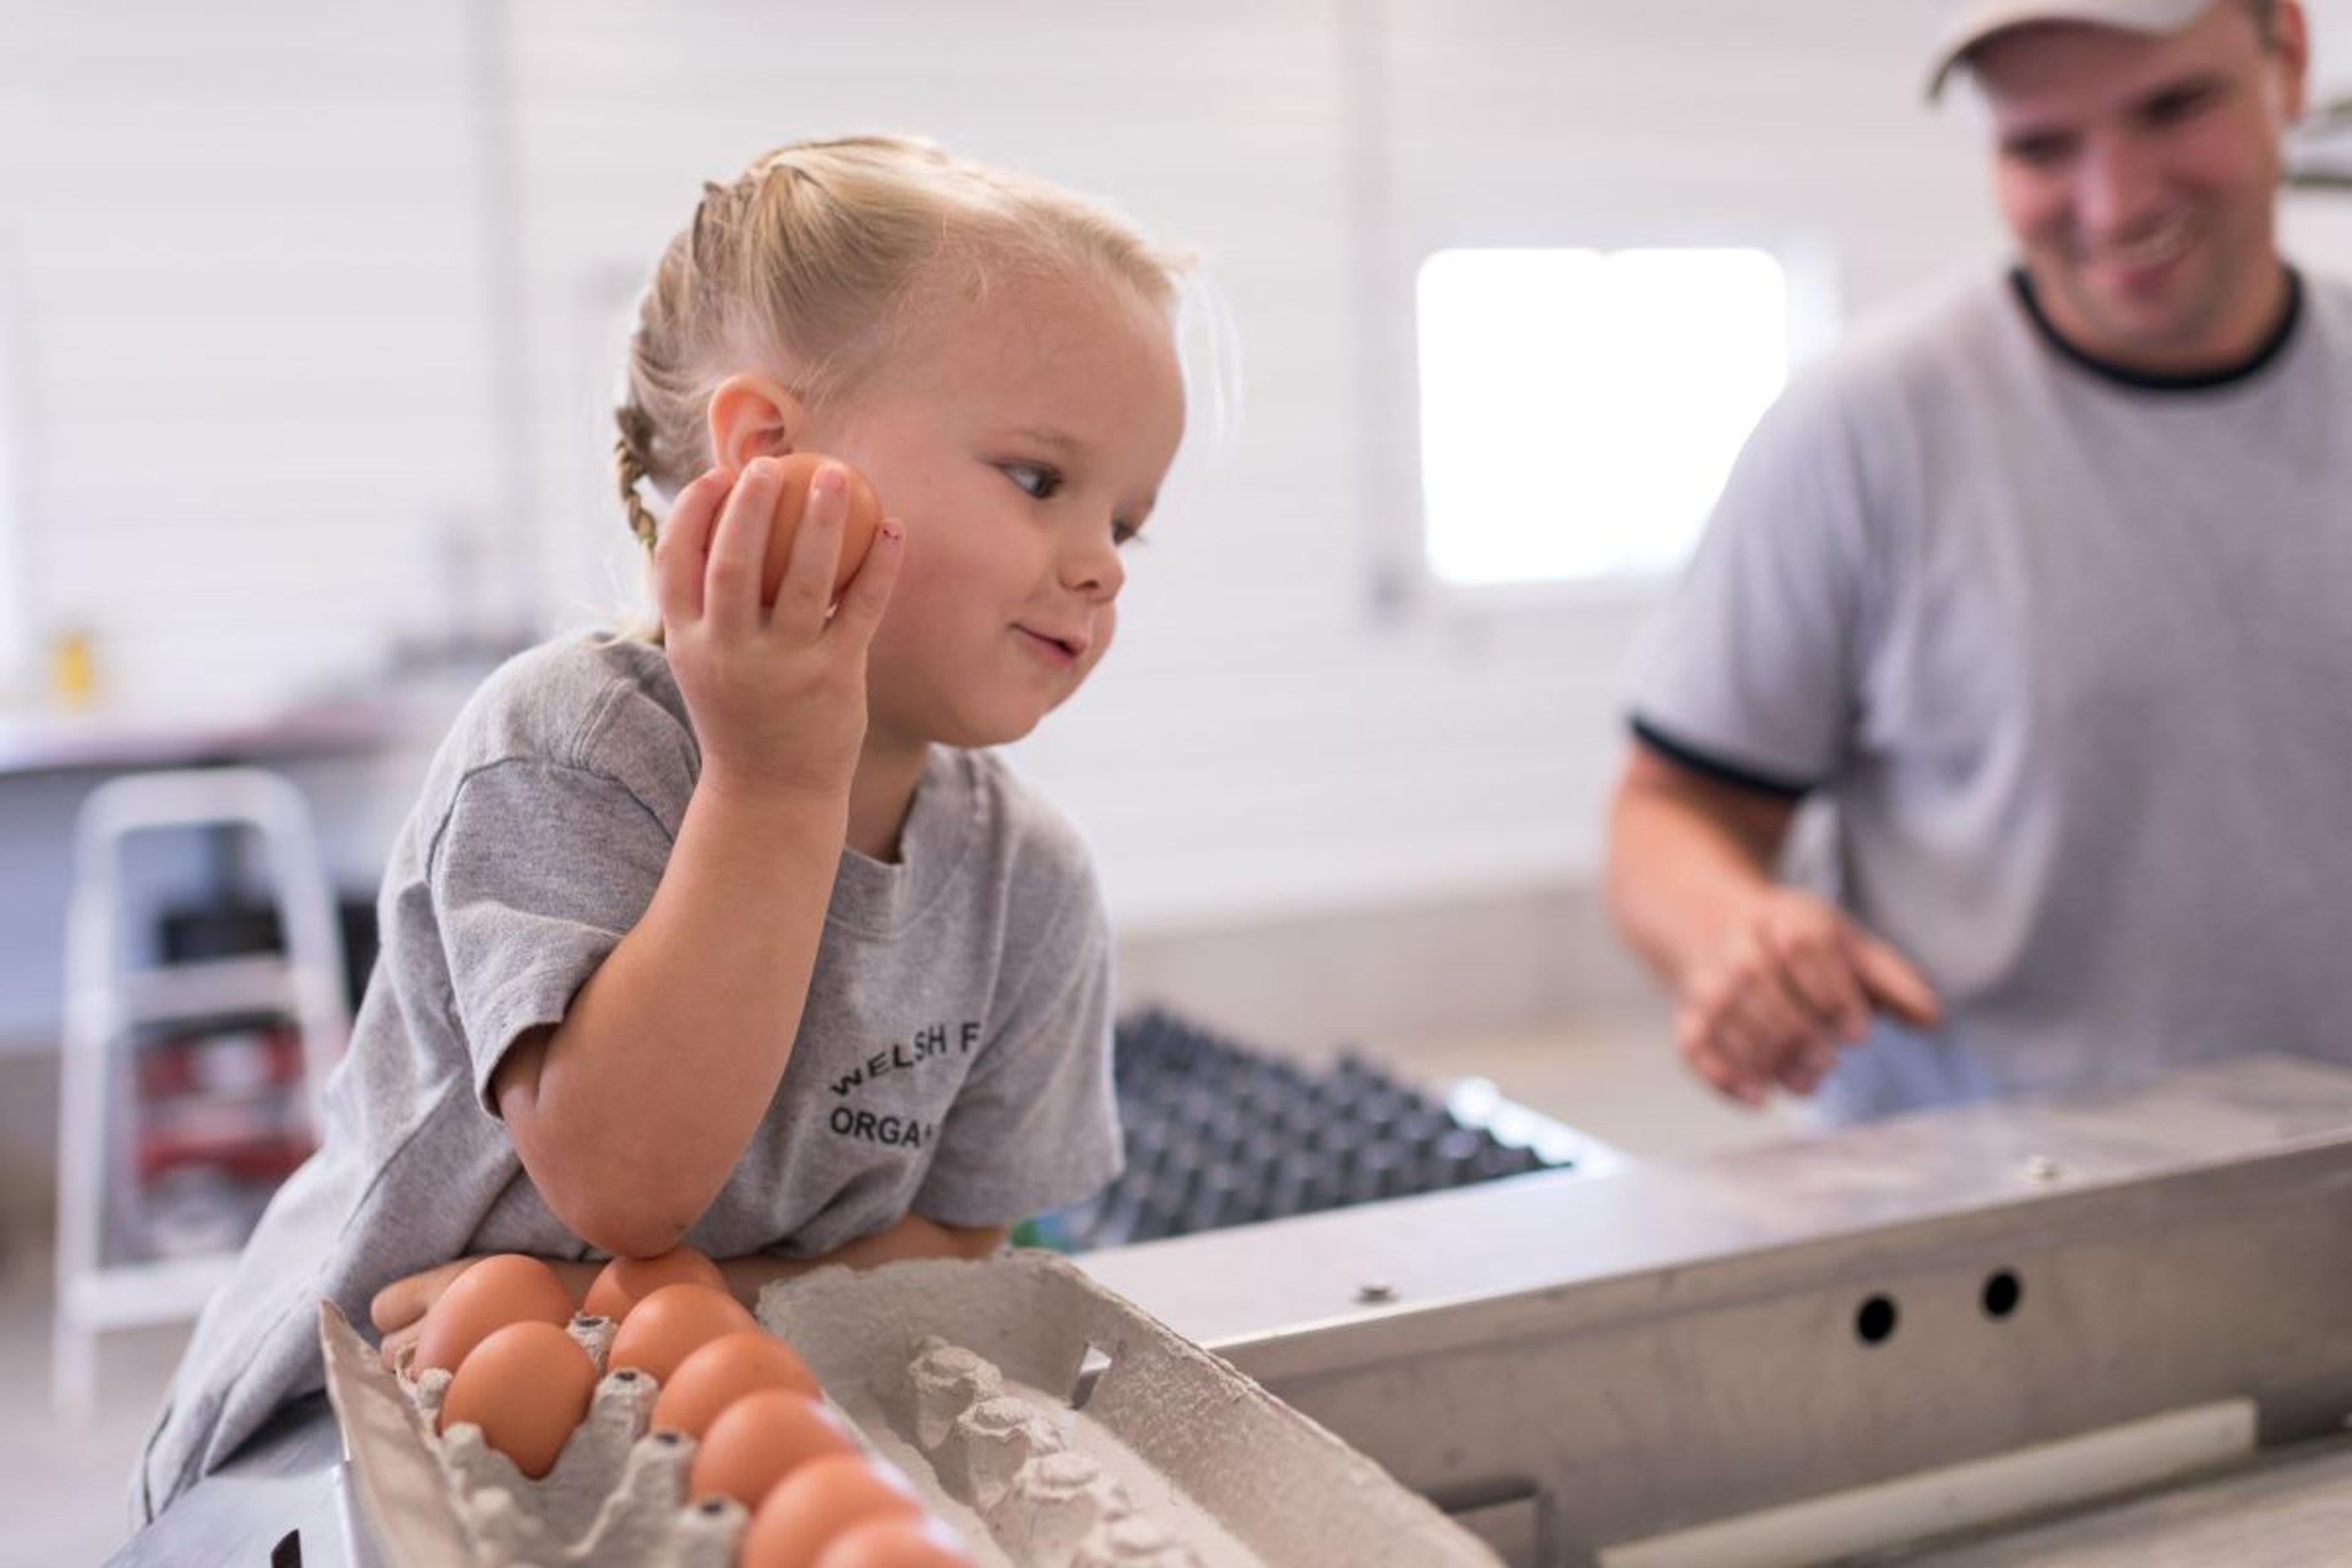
x=1220 y=1134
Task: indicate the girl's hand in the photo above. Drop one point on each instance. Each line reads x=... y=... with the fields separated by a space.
x=778 y=696
x=398 y=1310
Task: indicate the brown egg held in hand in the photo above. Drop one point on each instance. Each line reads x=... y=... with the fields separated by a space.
x=792 y=504
x=493 y=1293
x=671 y=1324
x=722 y=1370
x=896 y=1543
x=759 y=1440
x=526 y=1386
x=626 y=1281
x=820 y=1501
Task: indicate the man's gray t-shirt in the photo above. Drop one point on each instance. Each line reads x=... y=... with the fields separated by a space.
x=2072 y=658
x=954 y=1058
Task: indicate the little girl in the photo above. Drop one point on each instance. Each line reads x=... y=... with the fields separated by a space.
x=735 y=934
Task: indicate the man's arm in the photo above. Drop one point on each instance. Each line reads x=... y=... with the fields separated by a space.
x=1769 y=981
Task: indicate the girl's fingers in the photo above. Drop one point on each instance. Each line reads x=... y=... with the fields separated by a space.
x=393 y=1307
x=403 y=1303
x=731 y=601
x=684 y=544
x=869 y=592
x=805 y=595
x=400 y=1348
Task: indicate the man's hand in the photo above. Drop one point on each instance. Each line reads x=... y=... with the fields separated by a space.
x=1795 y=981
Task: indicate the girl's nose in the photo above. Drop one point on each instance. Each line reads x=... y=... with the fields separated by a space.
x=1091 y=566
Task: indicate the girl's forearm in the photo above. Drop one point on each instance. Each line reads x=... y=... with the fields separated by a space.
x=631 y=1113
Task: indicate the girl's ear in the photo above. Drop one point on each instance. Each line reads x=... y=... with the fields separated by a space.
x=753 y=416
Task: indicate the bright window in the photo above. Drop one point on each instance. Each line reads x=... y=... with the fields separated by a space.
x=1579 y=408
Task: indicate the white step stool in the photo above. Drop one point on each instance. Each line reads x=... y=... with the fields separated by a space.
x=105 y=1002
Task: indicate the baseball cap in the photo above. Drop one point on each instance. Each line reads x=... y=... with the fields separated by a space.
x=1968 y=23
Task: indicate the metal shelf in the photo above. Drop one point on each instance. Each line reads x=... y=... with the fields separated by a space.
x=139 y=1295
x=189 y=993
x=104 y=1003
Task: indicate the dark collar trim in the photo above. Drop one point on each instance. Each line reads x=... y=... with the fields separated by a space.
x=2147 y=381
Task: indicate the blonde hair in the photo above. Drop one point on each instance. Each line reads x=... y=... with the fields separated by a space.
x=823 y=253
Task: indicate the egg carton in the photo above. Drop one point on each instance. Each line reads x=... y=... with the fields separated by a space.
x=1055 y=1425
x=1051 y=1422
x=615 y=1496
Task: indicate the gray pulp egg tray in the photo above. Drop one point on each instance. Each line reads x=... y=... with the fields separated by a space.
x=1047 y=1420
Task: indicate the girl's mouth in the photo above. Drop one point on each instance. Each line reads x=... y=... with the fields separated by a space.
x=1060 y=650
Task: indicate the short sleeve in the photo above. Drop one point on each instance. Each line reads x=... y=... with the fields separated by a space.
x=1036 y=1126
x=538 y=873
x=1751 y=670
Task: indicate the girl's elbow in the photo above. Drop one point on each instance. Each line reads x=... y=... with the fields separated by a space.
x=627 y=1223
x=626 y=1227
x=610 y=1203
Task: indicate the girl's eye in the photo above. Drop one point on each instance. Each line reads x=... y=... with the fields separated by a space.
x=1038 y=480
x=1125 y=534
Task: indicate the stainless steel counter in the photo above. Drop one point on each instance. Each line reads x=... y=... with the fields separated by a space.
x=279 y=1502
x=1588 y=1366
x=1602 y=1361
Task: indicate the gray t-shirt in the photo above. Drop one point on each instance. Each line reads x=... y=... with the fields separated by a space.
x=954 y=1058
x=2071 y=655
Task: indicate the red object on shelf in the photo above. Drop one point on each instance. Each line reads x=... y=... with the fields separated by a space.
x=243 y=1058
x=223 y=1097
x=253 y=1159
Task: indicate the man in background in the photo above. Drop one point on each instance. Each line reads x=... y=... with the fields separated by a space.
x=2047 y=588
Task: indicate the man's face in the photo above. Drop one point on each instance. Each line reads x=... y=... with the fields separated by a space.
x=2140 y=176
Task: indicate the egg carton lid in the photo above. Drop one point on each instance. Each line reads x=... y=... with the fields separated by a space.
x=1236 y=1475
x=403 y=1494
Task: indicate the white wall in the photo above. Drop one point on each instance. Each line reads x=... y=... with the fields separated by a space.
x=1268 y=735
x=321 y=306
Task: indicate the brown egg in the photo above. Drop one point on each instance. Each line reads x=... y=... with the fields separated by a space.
x=759 y=1440
x=626 y=1281
x=496 y=1291
x=671 y=1324
x=857 y=537
x=722 y=1370
x=896 y=1543
x=526 y=1386
x=822 y=1499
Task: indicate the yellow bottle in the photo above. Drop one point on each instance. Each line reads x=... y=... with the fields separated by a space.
x=73 y=668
